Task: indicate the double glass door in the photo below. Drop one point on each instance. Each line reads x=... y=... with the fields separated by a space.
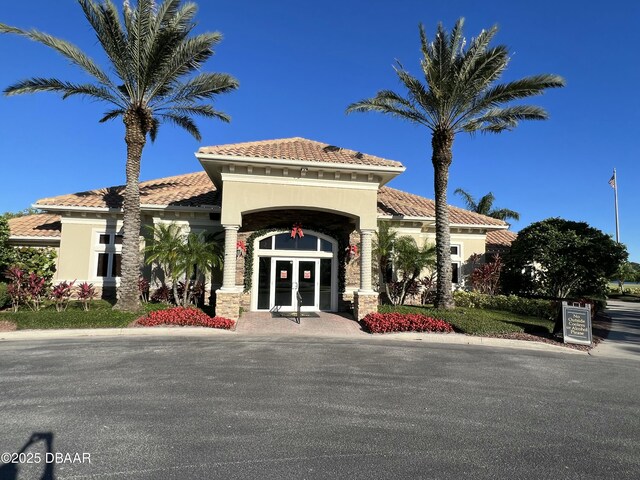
x=290 y=276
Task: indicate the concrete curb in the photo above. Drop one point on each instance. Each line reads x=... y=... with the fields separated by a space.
x=441 y=338
x=112 y=332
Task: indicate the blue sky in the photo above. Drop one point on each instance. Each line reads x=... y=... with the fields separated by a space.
x=301 y=63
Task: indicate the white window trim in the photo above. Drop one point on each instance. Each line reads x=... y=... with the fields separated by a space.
x=111 y=249
x=312 y=254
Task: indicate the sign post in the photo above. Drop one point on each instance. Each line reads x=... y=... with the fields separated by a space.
x=576 y=324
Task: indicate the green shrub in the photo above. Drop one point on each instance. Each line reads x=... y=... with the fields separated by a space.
x=4 y=296
x=509 y=303
x=41 y=261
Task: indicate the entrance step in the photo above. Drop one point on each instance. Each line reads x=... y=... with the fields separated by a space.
x=322 y=323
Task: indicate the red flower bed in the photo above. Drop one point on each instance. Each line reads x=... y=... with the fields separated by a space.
x=184 y=316
x=403 y=322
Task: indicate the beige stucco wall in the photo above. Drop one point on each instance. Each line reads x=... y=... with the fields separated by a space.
x=77 y=248
x=471 y=242
x=239 y=197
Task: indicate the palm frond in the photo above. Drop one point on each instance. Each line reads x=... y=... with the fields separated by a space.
x=485 y=204
x=523 y=88
x=153 y=129
x=66 y=49
x=468 y=199
x=187 y=57
x=496 y=120
x=392 y=104
x=456 y=39
x=105 y=22
x=504 y=214
x=418 y=95
x=201 y=87
x=111 y=114
x=185 y=122
x=67 y=89
x=200 y=110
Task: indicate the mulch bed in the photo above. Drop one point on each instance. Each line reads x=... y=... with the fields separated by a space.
x=600 y=326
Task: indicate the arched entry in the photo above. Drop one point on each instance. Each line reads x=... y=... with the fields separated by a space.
x=286 y=265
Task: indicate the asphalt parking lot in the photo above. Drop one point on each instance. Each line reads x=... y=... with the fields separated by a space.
x=231 y=407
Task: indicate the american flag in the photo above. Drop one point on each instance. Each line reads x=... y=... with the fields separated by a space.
x=612 y=181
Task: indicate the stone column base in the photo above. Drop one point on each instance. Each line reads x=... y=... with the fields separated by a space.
x=228 y=304
x=364 y=303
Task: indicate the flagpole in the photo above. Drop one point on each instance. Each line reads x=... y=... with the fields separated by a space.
x=615 y=194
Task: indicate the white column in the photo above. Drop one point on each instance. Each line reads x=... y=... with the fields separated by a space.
x=230 y=247
x=365 y=261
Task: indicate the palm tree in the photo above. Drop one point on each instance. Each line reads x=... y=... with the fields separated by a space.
x=460 y=94
x=152 y=57
x=164 y=249
x=198 y=255
x=182 y=255
x=383 y=243
x=485 y=204
x=410 y=260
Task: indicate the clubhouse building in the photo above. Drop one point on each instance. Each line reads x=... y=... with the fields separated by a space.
x=298 y=217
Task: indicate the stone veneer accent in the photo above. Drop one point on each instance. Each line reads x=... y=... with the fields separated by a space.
x=363 y=304
x=228 y=304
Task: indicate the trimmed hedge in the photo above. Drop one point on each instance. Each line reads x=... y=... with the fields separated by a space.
x=508 y=303
x=403 y=322
x=184 y=316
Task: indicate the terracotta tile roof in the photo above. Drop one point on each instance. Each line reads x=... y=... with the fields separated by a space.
x=298 y=149
x=196 y=189
x=499 y=239
x=398 y=203
x=189 y=190
x=43 y=225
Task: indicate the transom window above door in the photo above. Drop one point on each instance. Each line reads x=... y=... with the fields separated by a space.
x=284 y=241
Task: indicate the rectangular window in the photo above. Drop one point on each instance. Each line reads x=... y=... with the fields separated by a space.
x=455 y=250
x=455 y=272
x=103 y=265
x=115 y=265
x=108 y=256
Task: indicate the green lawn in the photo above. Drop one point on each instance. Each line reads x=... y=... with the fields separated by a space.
x=100 y=315
x=474 y=321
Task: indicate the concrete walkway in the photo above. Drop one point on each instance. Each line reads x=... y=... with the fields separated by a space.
x=623 y=340
x=324 y=324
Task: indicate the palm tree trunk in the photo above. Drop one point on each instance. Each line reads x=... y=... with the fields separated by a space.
x=128 y=296
x=442 y=142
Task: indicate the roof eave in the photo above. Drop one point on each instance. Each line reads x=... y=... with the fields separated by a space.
x=386 y=172
x=432 y=219
x=147 y=207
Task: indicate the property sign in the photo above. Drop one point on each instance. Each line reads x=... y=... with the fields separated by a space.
x=283 y=274
x=576 y=324
x=307 y=274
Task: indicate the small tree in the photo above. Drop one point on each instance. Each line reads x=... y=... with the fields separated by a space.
x=197 y=254
x=181 y=256
x=410 y=260
x=383 y=243
x=558 y=258
x=163 y=250
x=625 y=273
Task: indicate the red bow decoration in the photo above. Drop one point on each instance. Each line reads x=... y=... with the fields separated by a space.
x=352 y=251
x=241 y=248
x=297 y=231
